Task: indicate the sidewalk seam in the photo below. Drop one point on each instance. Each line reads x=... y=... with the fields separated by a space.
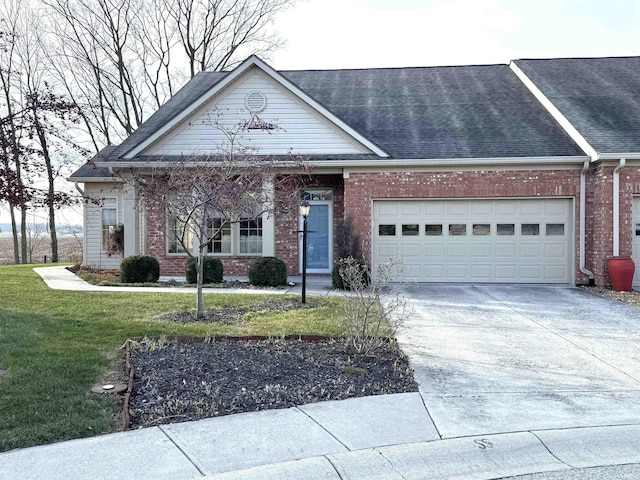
x=550 y=452
x=324 y=428
x=182 y=450
x=391 y=463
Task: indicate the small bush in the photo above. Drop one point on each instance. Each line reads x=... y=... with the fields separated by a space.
x=336 y=278
x=139 y=269
x=268 y=271
x=213 y=270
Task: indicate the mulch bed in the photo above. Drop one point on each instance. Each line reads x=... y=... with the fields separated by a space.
x=232 y=315
x=180 y=382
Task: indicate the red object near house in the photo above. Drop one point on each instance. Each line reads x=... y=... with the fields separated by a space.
x=621 y=270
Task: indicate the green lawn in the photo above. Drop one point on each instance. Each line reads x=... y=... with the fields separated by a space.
x=55 y=345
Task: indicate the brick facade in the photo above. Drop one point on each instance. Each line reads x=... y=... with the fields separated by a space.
x=286 y=234
x=355 y=194
x=362 y=188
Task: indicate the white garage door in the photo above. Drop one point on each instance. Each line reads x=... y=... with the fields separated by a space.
x=502 y=241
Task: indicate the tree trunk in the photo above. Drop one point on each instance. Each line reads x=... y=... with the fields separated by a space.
x=14 y=231
x=51 y=193
x=200 y=280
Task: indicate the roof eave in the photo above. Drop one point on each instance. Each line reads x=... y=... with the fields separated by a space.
x=394 y=162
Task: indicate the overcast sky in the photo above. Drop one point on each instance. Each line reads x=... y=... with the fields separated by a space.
x=325 y=34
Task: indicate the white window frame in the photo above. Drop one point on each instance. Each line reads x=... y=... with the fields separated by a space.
x=104 y=207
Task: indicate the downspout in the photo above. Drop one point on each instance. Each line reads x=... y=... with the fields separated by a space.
x=583 y=215
x=616 y=207
x=80 y=190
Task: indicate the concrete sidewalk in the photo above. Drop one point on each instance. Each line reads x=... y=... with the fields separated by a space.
x=383 y=437
x=59 y=278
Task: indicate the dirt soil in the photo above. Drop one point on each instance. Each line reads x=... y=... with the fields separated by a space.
x=181 y=382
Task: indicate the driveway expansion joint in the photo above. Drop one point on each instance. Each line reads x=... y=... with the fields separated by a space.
x=429 y=414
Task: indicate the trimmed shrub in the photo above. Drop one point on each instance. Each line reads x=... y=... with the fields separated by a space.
x=268 y=271
x=139 y=269
x=336 y=279
x=212 y=273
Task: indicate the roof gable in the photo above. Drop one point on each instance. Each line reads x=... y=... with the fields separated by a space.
x=201 y=108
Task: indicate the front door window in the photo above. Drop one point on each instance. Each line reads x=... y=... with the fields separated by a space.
x=319 y=238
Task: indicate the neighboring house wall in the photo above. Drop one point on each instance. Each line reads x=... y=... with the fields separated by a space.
x=96 y=194
x=362 y=188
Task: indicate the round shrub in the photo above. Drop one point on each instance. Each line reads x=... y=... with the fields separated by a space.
x=139 y=269
x=212 y=270
x=336 y=279
x=268 y=271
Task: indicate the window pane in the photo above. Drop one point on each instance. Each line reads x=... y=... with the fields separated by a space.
x=434 y=230
x=251 y=236
x=109 y=217
x=530 y=229
x=411 y=229
x=481 y=229
x=386 y=230
x=506 y=229
x=555 y=229
x=220 y=234
x=457 y=229
x=638 y=229
x=175 y=229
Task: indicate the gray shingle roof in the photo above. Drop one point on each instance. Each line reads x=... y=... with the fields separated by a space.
x=414 y=113
x=599 y=96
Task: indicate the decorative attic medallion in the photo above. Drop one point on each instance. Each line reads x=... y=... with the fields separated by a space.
x=255 y=102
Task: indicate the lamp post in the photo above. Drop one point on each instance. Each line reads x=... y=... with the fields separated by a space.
x=304 y=211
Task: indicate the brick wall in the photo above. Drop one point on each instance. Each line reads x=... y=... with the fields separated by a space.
x=286 y=241
x=360 y=189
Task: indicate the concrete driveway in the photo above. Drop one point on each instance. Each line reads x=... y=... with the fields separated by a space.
x=493 y=359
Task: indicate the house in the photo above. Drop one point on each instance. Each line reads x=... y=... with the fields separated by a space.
x=519 y=173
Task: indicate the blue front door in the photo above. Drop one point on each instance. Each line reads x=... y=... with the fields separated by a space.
x=319 y=241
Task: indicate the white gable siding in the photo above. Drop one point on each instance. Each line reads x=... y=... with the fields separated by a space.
x=301 y=130
x=94 y=256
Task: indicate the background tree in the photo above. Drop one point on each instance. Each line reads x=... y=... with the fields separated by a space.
x=121 y=59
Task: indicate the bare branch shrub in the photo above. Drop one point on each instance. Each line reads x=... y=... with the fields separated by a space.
x=373 y=312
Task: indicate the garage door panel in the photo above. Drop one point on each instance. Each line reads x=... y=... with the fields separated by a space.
x=457 y=250
x=557 y=272
x=489 y=240
x=458 y=209
x=458 y=272
x=482 y=272
x=506 y=250
x=530 y=250
x=555 y=250
x=411 y=250
x=435 y=250
x=530 y=273
x=482 y=250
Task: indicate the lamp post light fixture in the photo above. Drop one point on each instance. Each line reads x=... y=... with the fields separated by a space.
x=304 y=211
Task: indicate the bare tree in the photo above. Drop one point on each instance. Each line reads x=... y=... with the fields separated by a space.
x=204 y=195
x=122 y=59
x=216 y=34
